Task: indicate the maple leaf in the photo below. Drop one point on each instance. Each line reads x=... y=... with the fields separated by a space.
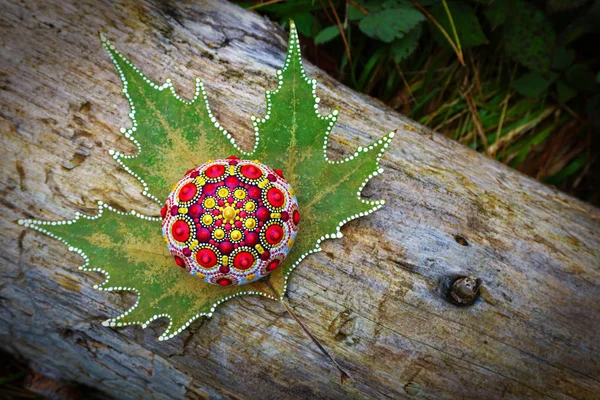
x=173 y=135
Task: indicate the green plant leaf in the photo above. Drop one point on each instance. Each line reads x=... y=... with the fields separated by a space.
x=305 y=22
x=327 y=34
x=405 y=46
x=586 y=22
x=532 y=84
x=563 y=57
x=565 y=92
x=389 y=24
x=497 y=12
x=467 y=25
x=172 y=136
x=130 y=251
x=581 y=77
x=294 y=138
x=529 y=38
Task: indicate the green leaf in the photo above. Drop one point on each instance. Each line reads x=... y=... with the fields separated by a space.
x=327 y=34
x=389 y=24
x=581 y=77
x=467 y=25
x=130 y=251
x=586 y=22
x=529 y=38
x=166 y=128
x=404 y=47
x=563 y=57
x=497 y=12
x=565 y=92
x=305 y=23
x=294 y=139
x=532 y=84
x=172 y=136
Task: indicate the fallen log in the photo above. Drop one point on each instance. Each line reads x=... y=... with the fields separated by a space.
x=381 y=303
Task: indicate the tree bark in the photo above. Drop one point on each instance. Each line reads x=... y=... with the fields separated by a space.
x=375 y=298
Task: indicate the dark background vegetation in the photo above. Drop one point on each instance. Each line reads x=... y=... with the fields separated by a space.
x=517 y=80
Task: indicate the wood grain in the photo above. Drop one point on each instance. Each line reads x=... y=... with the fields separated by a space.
x=372 y=297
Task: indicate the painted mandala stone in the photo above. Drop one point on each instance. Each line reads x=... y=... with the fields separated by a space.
x=230 y=221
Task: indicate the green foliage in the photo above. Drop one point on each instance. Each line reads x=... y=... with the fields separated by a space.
x=533 y=84
x=173 y=136
x=529 y=37
x=525 y=63
x=407 y=44
x=327 y=34
x=391 y=23
x=467 y=25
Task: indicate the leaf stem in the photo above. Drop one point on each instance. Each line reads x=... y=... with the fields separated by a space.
x=266 y=3
x=344 y=375
x=339 y=24
x=458 y=52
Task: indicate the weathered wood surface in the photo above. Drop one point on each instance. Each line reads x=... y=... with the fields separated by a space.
x=375 y=301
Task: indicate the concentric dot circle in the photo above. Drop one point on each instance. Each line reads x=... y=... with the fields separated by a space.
x=230 y=221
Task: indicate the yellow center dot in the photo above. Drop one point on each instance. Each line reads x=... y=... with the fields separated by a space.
x=219 y=233
x=250 y=223
x=223 y=192
x=207 y=219
x=236 y=235
x=250 y=206
x=239 y=194
x=209 y=203
x=229 y=213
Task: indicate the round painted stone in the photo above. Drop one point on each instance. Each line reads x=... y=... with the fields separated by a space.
x=230 y=221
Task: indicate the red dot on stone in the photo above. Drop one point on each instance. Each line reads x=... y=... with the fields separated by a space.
x=223 y=269
x=195 y=210
x=285 y=216
x=187 y=252
x=226 y=247
x=279 y=172
x=187 y=192
x=254 y=192
x=203 y=235
x=179 y=261
x=163 y=211
x=174 y=210
x=251 y=171
x=243 y=260
x=215 y=171
x=265 y=255
x=232 y=181
x=224 y=281
x=274 y=234
x=206 y=257
x=238 y=224
x=272 y=264
x=263 y=214
x=296 y=217
x=209 y=189
x=252 y=238
x=180 y=231
x=271 y=178
x=232 y=157
x=275 y=197
x=194 y=174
